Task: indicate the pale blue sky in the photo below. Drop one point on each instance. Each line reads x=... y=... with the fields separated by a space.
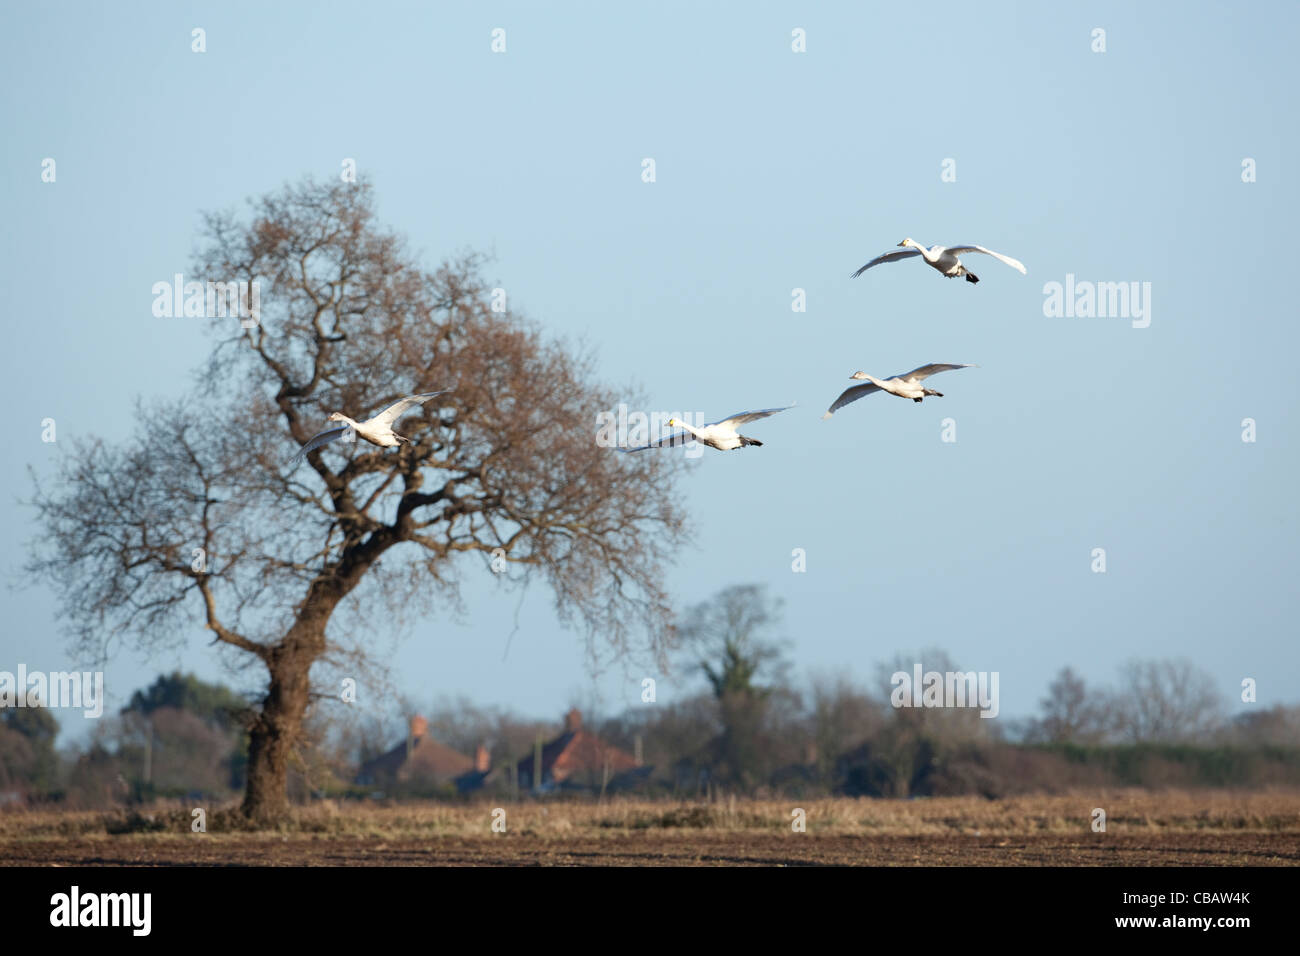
x=775 y=170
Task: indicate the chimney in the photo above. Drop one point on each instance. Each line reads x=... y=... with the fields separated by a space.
x=419 y=727
x=482 y=759
x=573 y=721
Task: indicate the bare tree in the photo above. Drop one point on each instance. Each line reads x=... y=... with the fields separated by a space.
x=197 y=515
x=733 y=636
x=1278 y=726
x=915 y=743
x=1167 y=701
x=840 y=717
x=949 y=725
x=1072 y=712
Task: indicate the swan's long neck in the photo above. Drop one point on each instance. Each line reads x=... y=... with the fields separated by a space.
x=689 y=428
x=924 y=251
x=347 y=421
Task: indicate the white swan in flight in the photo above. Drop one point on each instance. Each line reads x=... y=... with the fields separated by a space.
x=377 y=430
x=907 y=385
x=942 y=258
x=720 y=435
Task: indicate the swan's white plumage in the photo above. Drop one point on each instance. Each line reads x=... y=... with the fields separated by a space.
x=942 y=258
x=744 y=418
x=676 y=438
x=887 y=257
x=377 y=430
x=391 y=413
x=905 y=385
x=1013 y=263
x=922 y=372
x=721 y=435
x=320 y=438
x=850 y=394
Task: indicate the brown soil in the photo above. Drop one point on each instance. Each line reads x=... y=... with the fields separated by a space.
x=667 y=849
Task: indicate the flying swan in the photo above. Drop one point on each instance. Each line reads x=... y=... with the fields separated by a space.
x=720 y=435
x=907 y=385
x=377 y=430
x=942 y=258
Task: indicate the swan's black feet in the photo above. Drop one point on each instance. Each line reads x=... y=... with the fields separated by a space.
x=972 y=277
x=916 y=399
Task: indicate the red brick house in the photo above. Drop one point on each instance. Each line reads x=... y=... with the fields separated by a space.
x=577 y=759
x=423 y=761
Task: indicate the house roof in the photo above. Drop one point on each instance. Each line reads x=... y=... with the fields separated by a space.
x=577 y=751
x=420 y=757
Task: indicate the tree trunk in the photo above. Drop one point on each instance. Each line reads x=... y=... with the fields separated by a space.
x=278 y=728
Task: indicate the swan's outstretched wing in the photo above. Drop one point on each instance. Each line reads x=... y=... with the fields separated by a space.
x=925 y=371
x=743 y=418
x=391 y=413
x=320 y=438
x=887 y=257
x=851 y=394
x=1013 y=263
x=676 y=438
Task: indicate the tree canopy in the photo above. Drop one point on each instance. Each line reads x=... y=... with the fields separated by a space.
x=197 y=518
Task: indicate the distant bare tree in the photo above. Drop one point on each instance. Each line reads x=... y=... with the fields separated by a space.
x=463 y=725
x=1278 y=726
x=840 y=717
x=509 y=737
x=298 y=565
x=950 y=725
x=734 y=638
x=1167 y=701
x=1071 y=712
x=677 y=737
x=187 y=752
x=900 y=758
